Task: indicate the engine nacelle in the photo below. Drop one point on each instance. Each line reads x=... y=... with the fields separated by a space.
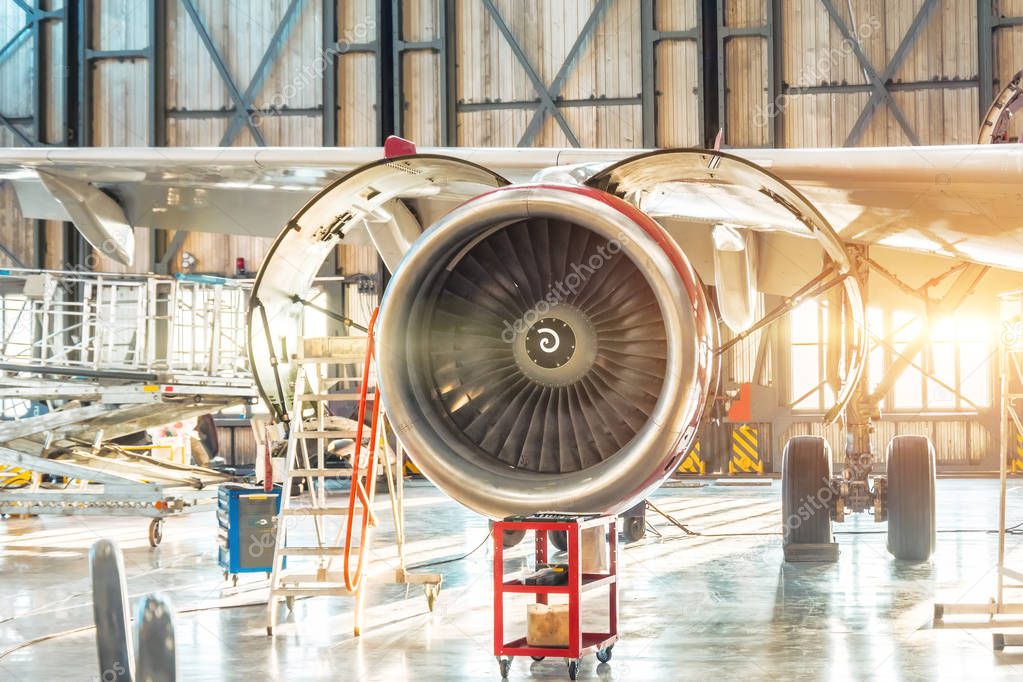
x=545 y=347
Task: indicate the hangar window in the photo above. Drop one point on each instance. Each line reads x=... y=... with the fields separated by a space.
x=952 y=373
x=808 y=381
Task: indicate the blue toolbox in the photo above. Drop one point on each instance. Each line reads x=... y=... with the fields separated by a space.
x=247 y=534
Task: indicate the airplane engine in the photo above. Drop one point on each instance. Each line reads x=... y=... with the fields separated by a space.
x=545 y=347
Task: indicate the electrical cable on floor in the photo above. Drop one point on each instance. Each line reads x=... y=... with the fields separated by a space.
x=85 y=628
x=452 y=560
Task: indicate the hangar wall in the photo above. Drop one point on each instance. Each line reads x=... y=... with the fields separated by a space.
x=610 y=73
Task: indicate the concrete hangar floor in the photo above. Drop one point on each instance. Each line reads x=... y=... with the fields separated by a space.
x=718 y=605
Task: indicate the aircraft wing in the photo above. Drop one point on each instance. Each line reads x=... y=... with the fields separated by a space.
x=962 y=201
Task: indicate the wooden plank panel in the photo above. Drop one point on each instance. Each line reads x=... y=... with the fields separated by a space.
x=15 y=232
x=120 y=115
x=607 y=66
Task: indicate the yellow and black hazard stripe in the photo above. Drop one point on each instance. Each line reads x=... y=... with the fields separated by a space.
x=745 y=457
x=1016 y=456
x=411 y=469
x=692 y=463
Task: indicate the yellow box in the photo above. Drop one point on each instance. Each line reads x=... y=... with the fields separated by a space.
x=547 y=625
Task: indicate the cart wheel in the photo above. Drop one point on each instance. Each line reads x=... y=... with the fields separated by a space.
x=432 y=592
x=290 y=603
x=226 y=576
x=537 y=658
x=269 y=631
x=155 y=532
x=604 y=655
x=234 y=580
x=573 y=669
x=505 y=667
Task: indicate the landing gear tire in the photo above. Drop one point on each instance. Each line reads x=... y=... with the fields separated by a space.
x=805 y=492
x=155 y=532
x=633 y=528
x=510 y=538
x=911 y=516
x=558 y=538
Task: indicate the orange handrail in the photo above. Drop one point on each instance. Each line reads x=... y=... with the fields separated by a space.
x=358 y=491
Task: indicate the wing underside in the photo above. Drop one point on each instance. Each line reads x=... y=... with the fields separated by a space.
x=959 y=201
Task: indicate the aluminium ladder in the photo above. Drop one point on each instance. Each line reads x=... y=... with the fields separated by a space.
x=329 y=520
x=354 y=520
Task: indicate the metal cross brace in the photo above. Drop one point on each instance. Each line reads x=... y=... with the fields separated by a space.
x=546 y=94
x=877 y=82
x=243 y=101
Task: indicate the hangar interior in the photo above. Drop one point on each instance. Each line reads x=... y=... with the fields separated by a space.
x=477 y=74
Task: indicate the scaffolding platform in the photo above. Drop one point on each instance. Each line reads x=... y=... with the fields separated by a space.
x=87 y=359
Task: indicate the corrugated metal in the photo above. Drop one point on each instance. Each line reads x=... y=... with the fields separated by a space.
x=960 y=441
x=16 y=72
x=814 y=52
x=678 y=76
x=746 y=64
x=607 y=66
x=357 y=75
x=242 y=32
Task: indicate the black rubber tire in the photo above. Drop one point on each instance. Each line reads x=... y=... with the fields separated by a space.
x=505 y=667
x=805 y=491
x=537 y=658
x=512 y=538
x=558 y=538
x=911 y=515
x=604 y=655
x=573 y=669
x=633 y=528
x=155 y=532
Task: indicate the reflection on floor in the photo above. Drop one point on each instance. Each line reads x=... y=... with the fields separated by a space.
x=721 y=604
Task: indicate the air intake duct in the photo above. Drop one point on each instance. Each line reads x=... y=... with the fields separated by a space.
x=545 y=347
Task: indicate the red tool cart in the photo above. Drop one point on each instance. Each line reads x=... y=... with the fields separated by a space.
x=579 y=643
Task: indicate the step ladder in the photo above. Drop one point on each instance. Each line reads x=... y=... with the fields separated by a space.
x=338 y=529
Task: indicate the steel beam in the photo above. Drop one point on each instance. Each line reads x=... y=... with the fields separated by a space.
x=726 y=33
x=277 y=42
x=328 y=128
x=545 y=96
x=566 y=66
x=881 y=92
x=17 y=132
x=449 y=75
x=240 y=103
x=963 y=286
x=562 y=103
x=157 y=55
x=162 y=266
x=884 y=94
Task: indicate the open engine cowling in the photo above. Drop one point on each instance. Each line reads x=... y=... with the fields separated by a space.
x=545 y=347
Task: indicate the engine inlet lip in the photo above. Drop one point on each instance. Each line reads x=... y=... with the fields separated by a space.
x=445 y=456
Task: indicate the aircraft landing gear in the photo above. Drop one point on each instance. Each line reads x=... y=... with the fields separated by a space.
x=911 y=517
x=807 y=498
x=812 y=498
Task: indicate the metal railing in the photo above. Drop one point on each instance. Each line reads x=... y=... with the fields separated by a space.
x=104 y=324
